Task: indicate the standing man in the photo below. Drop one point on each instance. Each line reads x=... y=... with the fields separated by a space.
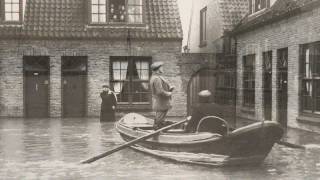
x=161 y=94
x=108 y=104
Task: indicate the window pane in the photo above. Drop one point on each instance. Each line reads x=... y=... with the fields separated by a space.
x=102 y=2
x=134 y=2
x=94 y=1
x=316 y=61
x=15 y=16
x=15 y=1
x=102 y=9
x=95 y=18
x=8 y=8
x=8 y=17
x=15 y=7
x=102 y=18
x=95 y=9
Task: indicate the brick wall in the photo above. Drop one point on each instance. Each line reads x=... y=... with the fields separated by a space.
x=98 y=52
x=291 y=32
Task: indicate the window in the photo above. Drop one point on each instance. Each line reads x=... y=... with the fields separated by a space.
x=225 y=87
x=310 y=78
x=130 y=79
x=249 y=80
x=98 y=11
x=203 y=26
x=11 y=11
x=257 y=5
x=116 y=11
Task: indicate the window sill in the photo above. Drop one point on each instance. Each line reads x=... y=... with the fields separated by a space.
x=131 y=107
x=309 y=119
x=15 y=25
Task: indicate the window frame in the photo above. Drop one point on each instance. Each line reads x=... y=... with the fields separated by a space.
x=253 y=9
x=108 y=22
x=3 y=13
x=250 y=80
x=203 y=27
x=313 y=78
x=131 y=80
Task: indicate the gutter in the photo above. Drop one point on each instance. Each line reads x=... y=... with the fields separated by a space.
x=242 y=28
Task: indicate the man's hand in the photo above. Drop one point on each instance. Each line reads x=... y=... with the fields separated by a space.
x=113 y=107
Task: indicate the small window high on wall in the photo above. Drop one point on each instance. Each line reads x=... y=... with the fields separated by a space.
x=11 y=11
x=258 y=5
x=116 y=11
x=203 y=27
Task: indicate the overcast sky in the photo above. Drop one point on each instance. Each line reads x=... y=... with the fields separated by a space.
x=185 y=9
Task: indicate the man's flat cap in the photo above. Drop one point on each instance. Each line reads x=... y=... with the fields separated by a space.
x=105 y=86
x=156 y=65
x=204 y=93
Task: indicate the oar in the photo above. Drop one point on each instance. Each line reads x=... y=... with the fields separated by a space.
x=133 y=142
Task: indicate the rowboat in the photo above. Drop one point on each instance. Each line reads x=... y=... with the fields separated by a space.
x=209 y=145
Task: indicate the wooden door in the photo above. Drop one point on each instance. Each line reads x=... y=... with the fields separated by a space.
x=267 y=85
x=74 y=80
x=36 y=91
x=282 y=81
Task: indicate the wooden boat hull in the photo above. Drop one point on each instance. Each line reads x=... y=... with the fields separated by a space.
x=249 y=144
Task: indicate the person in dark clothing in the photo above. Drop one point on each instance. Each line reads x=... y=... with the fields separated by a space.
x=161 y=95
x=108 y=104
x=202 y=109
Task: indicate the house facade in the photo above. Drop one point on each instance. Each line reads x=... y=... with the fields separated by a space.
x=211 y=20
x=277 y=61
x=56 y=55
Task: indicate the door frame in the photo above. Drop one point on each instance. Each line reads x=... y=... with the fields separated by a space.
x=86 y=87
x=24 y=85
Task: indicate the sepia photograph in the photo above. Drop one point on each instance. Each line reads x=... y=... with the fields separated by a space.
x=159 y=89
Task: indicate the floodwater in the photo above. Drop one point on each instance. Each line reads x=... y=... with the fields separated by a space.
x=53 y=148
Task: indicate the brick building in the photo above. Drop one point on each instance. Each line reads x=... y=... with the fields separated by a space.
x=278 y=63
x=211 y=20
x=56 y=54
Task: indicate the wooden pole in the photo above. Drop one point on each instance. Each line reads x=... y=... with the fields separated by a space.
x=132 y=142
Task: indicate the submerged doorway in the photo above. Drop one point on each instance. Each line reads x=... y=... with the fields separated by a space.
x=74 y=84
x=36 y=82
x=282 y=84
x=267 y=85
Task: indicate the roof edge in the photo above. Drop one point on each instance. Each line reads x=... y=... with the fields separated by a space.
x=310 y=6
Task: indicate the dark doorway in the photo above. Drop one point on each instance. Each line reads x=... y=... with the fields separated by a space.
x=36 y=81
x=282 y=82
x=267 y=84
x=74 y=82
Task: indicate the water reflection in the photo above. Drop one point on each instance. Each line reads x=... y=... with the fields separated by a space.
x=53 y=148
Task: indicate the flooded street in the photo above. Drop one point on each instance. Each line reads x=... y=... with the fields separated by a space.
x=53 y=149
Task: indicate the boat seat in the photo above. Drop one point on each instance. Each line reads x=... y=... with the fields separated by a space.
x=213 y=124
x=175 y=131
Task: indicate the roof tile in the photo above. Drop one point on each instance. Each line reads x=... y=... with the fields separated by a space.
x=67 y=19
